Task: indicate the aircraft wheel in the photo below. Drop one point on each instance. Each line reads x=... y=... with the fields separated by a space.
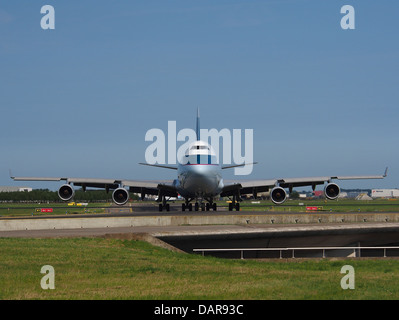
x=183 y=207
x=207 y=206
x=167 y=207
x=214 y=206
x=230 y=207
x=190 y=207
x=160 y=207
x=237 y=206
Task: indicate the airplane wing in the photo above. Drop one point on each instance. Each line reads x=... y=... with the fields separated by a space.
x=238 y=187
x=153 y=187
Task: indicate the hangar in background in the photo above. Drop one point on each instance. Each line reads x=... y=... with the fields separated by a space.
x=385 y=193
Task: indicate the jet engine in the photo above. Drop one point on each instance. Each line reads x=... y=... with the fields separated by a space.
x=66 y=192
x=120 y=196
x=278 y=195
x=331 y=191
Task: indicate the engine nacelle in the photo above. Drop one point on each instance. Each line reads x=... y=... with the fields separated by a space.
x=278 y=195
x=66 y=192
x=331 y=191
x=120 y=196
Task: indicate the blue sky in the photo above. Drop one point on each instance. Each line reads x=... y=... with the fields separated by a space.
x=78 y=100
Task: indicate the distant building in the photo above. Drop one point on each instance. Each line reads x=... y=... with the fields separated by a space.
x=385 y=193
x=15 y=189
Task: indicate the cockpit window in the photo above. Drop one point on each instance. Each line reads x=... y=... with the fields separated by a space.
x=201 y=159
x=200 y=148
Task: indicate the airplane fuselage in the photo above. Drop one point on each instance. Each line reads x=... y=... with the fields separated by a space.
x=199 y=180
x=199 y=174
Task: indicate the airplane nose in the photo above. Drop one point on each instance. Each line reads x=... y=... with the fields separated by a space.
x=201 y=179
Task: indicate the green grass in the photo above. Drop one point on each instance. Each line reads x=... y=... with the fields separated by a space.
x=96 y=268
x=342 y=205
x=24 y=210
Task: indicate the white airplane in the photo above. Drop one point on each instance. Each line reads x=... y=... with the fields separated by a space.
x=199 y=178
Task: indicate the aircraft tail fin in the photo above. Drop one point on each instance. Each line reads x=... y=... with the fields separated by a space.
x=197 y=129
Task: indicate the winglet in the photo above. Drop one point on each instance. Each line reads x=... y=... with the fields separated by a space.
x=11 y=176
x=386 y=172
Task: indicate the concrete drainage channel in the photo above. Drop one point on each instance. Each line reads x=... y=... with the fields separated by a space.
x=325 y=242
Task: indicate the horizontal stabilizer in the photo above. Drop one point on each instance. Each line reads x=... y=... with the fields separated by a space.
x=159 y=166
x=238 y=165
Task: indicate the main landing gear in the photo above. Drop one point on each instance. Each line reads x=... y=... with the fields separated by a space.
x=164 y=205
x=234 y=204
x=199 y=205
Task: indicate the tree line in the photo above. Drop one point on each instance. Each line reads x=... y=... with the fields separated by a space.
x=46 y=195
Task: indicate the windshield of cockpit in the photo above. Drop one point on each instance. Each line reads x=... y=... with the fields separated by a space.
x=200 y=155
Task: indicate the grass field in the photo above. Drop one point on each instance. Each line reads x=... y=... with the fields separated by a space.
x=96 y=268
x=32 y=209
x=342 y=205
